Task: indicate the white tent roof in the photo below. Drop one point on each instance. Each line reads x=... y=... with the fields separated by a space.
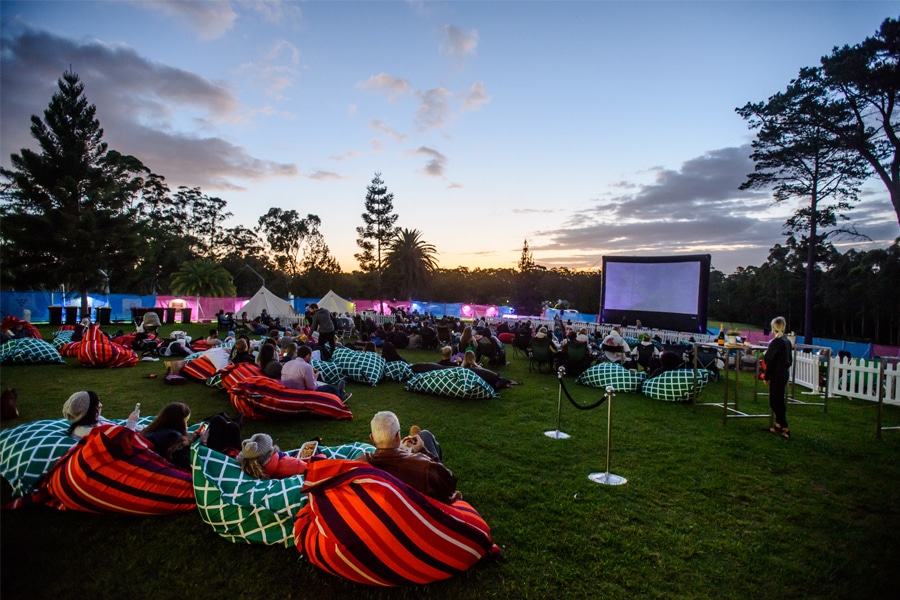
x=275 y=306
x=335 y=304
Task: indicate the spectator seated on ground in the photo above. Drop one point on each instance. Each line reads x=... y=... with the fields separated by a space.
x=390 y=533
x=493 y=378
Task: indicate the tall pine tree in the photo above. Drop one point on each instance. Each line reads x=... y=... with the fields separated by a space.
x=71 y=212
x=379 y=229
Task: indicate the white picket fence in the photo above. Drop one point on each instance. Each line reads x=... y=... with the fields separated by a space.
x=861 y=379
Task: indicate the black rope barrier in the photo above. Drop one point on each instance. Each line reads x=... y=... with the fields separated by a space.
x=572 y=400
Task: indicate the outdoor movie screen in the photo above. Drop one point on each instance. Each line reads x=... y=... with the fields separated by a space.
x=662 y=292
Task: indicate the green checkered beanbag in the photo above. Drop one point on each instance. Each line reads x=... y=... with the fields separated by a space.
x=675 y=386
x=215 y=382
x=27 y=451
x=455 y=382
x=398 y=371
x=252 y=511
x=62 y=337
x=330 y=371
x=362 y=367
x=29 y=351
x=608 y=374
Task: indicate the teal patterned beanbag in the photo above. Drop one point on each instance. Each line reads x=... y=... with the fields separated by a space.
x=455 y=382
x=252 y=511
x=29 y=351
x=62 y=337
x=398 y=371
x=330 y=371
x=608 y=374
x=362 y=367
x=27 y=451
x=675 y=386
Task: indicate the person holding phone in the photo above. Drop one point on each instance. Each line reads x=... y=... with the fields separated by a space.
x=82 y=410
x=169 y=435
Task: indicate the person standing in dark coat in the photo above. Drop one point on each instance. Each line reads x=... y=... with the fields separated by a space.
x=779 y=357
x=324 y=325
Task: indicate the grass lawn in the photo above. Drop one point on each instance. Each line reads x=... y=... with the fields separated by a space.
x=709 y=510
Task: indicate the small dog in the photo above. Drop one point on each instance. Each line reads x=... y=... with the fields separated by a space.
x=9 y=404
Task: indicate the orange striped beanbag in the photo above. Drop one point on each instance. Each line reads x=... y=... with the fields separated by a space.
x=259 y=397
x=113 y=470
x=96 y=350
x=369 y=527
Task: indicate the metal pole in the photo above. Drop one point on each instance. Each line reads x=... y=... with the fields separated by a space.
x=608 y=478
x=557 y=434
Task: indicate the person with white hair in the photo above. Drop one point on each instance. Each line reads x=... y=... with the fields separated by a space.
x=414 y=459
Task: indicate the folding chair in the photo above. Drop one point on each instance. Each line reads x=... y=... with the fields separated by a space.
x=539 y=356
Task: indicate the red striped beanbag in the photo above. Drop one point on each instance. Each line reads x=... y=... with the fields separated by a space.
x=113 y=470
x=369 y=527
x=201 y=368
x=96 y=350
x=233 y=374
x=259 y=397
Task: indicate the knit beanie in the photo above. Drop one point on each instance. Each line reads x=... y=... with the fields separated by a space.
x=77 y=406
x=258 y=447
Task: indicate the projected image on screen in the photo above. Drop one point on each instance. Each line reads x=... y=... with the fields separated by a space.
x=661 y=292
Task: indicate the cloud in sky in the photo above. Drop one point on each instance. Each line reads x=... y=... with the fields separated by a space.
x=383 y=83
x=436 y=163
x=476 y=98
x=434 y=110
x=696 y=209
x=379 y=125
x=143 y=105
x=277 y=70
x=211 y=20
x=457 y=43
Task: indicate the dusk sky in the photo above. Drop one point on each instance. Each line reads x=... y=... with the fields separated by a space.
x=589 y=128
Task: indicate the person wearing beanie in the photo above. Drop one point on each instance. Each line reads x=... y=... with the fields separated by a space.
x=260 y=458
x=82 y=410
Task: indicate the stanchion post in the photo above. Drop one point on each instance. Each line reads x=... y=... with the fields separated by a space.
x=556 y=433
x=608 y=478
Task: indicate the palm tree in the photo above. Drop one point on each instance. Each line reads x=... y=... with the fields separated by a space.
x=202 y=278
x=410 y=261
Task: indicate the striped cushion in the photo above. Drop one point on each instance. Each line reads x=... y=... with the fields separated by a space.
x=675 y=385
x=27 y=451
x=363 y=367
x=367 y=526
x=201 y=368
x=113 y=469
x=29 y=351
x=259 y=397
x=233 y=374
x=97 y=351
x=252 y=511
x=398 y=371
x=455 y=382
x=330 y=371
x=608 y=374
x=70 y=349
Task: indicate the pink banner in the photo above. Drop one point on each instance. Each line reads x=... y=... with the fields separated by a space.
x=202 y=308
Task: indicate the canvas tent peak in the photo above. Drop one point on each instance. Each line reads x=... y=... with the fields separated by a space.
x=335 y=304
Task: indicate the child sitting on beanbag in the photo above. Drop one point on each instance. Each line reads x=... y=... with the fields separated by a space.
x=261 y=459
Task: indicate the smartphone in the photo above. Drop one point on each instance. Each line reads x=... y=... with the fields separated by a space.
x=202 y=427
x=308 y=449
x=137 y=407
